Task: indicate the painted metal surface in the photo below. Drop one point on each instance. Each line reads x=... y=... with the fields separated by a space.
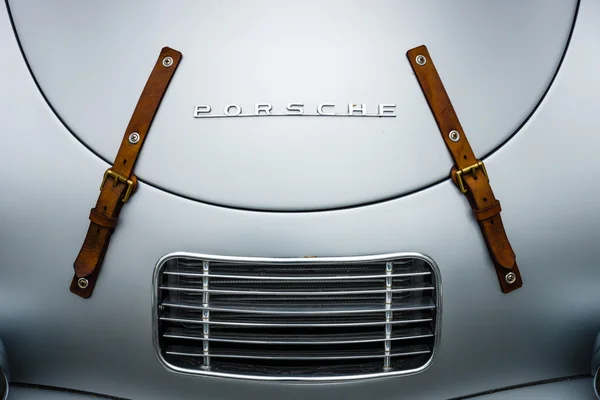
x=545 y=177
x=92 y=59
x=26 y=393
x=578 y=389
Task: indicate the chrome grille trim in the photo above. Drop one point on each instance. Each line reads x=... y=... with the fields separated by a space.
x=268 y=309
x=270 y=293
x=297 y=325
x=323 y=310
x=416 y=350
x=411 y=334
x=297 y=278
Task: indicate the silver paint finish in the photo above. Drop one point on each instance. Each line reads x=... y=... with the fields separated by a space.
x=25 y=393
x=312 y=52
x=577 y=389
x=555 y=241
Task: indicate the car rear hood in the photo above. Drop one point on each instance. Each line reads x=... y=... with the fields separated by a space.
x=91 y=61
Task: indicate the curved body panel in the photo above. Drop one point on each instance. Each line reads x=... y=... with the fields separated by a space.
x=546 y=177
x=91 y=61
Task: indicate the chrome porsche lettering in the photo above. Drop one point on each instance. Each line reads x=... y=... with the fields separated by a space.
x=352 y=108
x=266 y=108
x=201 y=109
x=321 y=106
x=386 y=108
x=238 y=110
x=297 y=109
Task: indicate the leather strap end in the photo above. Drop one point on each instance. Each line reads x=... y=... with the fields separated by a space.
x=89 y=260
x=505 y=278
x=84 y=286
x=170 y=52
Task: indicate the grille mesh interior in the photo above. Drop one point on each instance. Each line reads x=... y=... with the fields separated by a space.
x=308 y=318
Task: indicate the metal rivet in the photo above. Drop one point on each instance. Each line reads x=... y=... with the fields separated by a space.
x=421 y=60
x=134 y=138
x=510 y=278
x=167 y=61
x=454 y=136
x=82 y=283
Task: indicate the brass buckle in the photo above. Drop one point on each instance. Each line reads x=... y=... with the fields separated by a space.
x=118 y=178
x=472 y=169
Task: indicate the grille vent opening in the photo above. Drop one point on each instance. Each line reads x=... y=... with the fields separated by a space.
x=297 y=319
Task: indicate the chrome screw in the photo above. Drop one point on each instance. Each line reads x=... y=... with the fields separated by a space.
x=454 y=136
x=167 y=62
x=134 y=138
x=510 y=278
x=421 y=60
x=82 y=283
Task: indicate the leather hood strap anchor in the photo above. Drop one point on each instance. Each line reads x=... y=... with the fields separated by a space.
x=119 y=183
x=469 y=173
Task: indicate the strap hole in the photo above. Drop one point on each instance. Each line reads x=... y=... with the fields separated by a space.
x=475 y=177
x=465 y=157
x=97 y=230
x=485 y=199
x=492 y=221
x=125 y=161
x=104 y=208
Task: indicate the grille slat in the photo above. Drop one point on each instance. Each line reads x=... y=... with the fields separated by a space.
x=306 y=355
x=308 y=308
x=306 y=319
x=299 y=339
x=291 y=293
x=247 y=320
x=189 y=274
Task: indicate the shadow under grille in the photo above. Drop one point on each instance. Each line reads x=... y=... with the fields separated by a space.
x=313 y=318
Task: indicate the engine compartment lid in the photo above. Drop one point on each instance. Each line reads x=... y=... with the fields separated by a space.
x=91 y=61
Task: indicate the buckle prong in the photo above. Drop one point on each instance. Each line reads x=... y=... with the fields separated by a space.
x=472 y=169
x=116 y=179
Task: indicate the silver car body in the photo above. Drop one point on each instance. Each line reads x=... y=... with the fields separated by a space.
x=523 y=77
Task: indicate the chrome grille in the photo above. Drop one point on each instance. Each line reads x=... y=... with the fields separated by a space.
x=296 y=319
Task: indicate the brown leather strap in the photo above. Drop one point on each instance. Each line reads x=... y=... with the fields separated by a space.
x=119 y=182
x=469 y=174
